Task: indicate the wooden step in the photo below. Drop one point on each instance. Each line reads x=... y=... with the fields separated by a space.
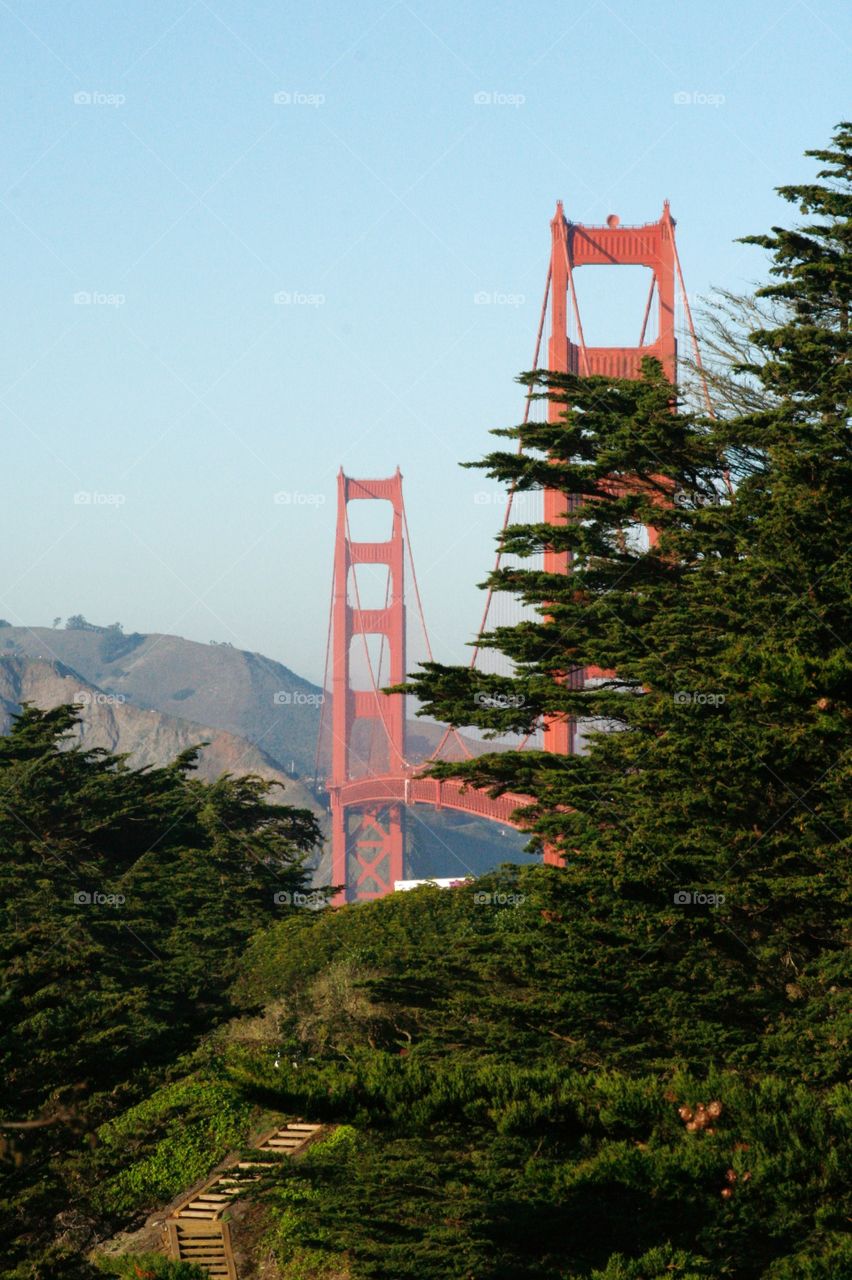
x=197 y=1228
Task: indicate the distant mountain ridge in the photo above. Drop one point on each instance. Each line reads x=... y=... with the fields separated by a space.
x=147 y=737
x=242 y=693
x=152 y=696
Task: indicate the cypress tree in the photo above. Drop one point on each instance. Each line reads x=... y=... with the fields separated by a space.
x=701 y=830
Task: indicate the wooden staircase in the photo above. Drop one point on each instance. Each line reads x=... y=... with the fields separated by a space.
x=197 y=1231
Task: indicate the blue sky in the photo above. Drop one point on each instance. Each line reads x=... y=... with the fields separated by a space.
x=148 y=168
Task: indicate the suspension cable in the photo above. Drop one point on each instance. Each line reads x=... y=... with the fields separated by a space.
x=450 y=730
x=575 y=307
x=324 y=679
x=498 y=559
x=699 y=364
x=647 y=311
x=696 y=350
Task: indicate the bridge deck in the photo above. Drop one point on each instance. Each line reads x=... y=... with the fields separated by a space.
x=411 y=788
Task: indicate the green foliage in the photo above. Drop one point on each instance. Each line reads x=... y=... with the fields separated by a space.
x=115 y=644
x=149 y=1266
x=488 y=1142
x=126 y=897
x=656 y=1264
x=301 y=1244
x=168 y=1142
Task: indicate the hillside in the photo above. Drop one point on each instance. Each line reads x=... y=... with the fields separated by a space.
x=499 y=1107
x=148 y=738
x=207 y=684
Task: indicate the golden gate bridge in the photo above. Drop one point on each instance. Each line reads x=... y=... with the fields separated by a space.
x=372 y=779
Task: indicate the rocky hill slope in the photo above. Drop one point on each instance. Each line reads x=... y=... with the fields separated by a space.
x=244 y=694
x=147 y=737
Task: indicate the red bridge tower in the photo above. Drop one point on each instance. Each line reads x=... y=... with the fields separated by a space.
x=367 y=843
x=576 y=245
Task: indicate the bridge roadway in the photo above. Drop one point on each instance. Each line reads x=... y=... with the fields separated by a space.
x=413 y=788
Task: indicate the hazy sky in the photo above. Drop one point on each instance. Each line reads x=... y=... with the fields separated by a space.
x=156 y=199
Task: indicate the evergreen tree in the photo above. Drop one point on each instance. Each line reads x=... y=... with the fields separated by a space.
x=126 y=897
x=725 y=777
